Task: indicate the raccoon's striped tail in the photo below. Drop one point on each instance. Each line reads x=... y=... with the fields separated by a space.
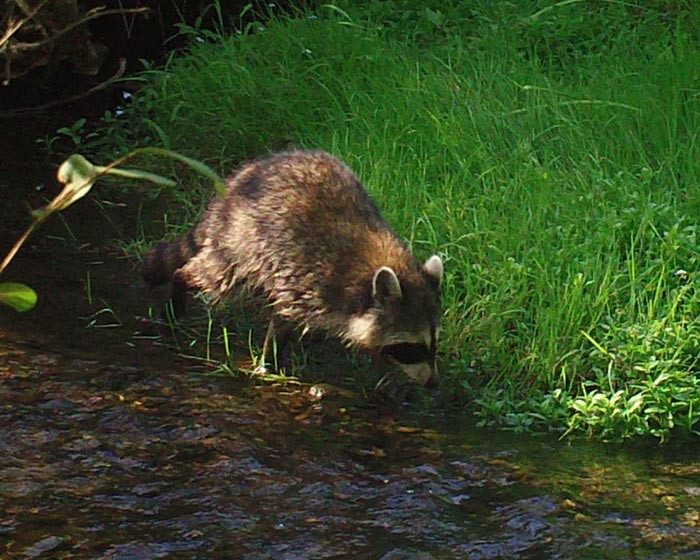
x=160 y=263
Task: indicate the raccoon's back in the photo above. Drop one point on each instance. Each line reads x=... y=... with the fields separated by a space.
x=293 y=191
x=299 y=225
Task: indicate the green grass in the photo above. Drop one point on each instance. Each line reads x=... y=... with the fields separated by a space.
x=549 y=151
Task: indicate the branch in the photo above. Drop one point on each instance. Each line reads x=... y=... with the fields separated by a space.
x=13 y=29
x=92 y=14
x=27 y=110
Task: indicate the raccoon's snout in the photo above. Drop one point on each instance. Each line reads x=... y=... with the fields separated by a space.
x=415 y=360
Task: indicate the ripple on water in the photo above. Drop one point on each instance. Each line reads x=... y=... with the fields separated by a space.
x=97 y=462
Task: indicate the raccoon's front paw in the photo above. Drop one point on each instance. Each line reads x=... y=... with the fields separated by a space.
x=265 y=369
x=391 y=388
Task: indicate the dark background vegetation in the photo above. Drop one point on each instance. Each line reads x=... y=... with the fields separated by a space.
x=133 y=30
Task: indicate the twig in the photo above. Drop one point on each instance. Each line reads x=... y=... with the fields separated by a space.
x=20 y=23
x=92 y=14
x=17 y=245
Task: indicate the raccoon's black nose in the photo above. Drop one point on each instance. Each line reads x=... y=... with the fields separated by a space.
x=433 y=381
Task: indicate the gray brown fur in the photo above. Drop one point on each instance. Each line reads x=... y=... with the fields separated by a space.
x=300 y=228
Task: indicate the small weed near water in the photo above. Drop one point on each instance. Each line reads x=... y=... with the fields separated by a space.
x=549 y=151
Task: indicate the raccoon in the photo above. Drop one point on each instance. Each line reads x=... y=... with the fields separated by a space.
x=300 y=228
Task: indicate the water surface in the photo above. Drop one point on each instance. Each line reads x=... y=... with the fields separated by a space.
x=112 y=446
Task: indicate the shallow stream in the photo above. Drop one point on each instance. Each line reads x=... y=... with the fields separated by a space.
x=113 y=446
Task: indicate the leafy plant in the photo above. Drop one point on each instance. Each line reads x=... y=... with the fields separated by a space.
x=78 y=176
x=18 y=296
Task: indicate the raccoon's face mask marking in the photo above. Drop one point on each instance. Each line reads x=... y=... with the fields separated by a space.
x=415 y=359
x=406 y=353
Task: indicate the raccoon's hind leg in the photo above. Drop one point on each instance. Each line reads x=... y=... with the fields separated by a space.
x=178 y=296
x=276 y=338
x=164 y=264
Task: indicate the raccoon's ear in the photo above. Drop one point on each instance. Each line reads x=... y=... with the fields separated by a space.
x=433 y=268
x=385 y=286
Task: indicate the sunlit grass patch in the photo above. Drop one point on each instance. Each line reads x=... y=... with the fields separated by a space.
x=559 y=183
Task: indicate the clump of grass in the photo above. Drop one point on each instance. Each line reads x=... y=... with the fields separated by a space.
x=556 y=169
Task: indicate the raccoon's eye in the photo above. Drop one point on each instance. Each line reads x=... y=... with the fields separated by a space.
x=407 y=353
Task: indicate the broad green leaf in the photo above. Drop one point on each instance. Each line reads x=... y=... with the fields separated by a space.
x=18 y=296
x=198 y=166
x=137 y=174
x=78 y=176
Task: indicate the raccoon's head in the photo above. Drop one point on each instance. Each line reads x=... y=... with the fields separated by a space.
x=402 y=324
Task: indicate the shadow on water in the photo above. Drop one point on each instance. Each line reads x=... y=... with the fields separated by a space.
x=114 y=447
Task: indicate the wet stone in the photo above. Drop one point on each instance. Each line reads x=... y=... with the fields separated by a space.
x=42 y=548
